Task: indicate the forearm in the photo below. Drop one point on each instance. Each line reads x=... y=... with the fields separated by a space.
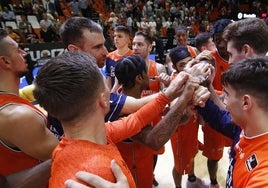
x=135 y=122
x=33 y=177
x=162 y=132
x=215 y=98
x=132 y=105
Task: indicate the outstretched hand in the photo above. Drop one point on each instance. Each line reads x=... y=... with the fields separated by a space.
x=201 y=95
x=164 y=78
x=176 y=86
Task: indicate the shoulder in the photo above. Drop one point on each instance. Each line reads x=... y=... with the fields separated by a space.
x=19 y=113
x=17 y=119
x=111 y=55
x=160 y=67
x=115 y=97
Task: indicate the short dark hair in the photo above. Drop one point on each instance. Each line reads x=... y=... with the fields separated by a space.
x=249 y=75
x=251 y=31
x=201 y=39
x=219 y=26
x=71 y=31
x=68 y=84
x=181 y=28
x=128 y=68
x=178 y=53
x=123 y=29
x=146 y=36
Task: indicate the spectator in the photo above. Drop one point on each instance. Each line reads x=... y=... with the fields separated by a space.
x=31 y=36
x=12 y=34
x=85 y=8
x=113 y=19
x=24 y=24
x=75 y=9
x=38 y=9
x=50 y=7
x=8 y=15
x=47 y=34
x=47 y=21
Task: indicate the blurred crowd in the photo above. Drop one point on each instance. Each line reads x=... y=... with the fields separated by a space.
x=159 y=18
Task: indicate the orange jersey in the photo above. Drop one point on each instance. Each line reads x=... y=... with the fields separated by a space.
x=154 y=84
x=73 y=155
x=221 y=66
x=192 y=51
x=110 y=63
x=213 y=148
x=184 y=144
x=96 y=158
x=154 y=87
x=251 y=162
x=115 y=56
x=13 y=160
x=139 y=160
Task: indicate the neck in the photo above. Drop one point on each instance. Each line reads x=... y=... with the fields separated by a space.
x=256 y=124
x=147 y=60
x=123 y=51
x=133 y=92
x=89 y=127
x=9 y=84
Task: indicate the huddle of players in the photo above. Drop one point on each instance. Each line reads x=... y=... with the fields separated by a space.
x=137 y=80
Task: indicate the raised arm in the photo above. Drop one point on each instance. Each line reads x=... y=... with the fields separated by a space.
x=156 y=137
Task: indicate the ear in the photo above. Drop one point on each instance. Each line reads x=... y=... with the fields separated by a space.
x=138 y=79
x=73 y=48
x=4 y=62
x=247 y=102
x=150 y=47
x=103 y=101
x=247 y=50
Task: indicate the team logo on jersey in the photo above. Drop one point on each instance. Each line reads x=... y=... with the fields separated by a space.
x=252 y=162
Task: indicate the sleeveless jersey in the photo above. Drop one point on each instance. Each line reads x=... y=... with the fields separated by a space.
x=192 y=51
x=154 y=84
x=186 y=135
x=221 y=66
x=139 y=159
x=13 y=160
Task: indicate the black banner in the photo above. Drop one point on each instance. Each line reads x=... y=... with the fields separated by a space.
x=37 y=50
